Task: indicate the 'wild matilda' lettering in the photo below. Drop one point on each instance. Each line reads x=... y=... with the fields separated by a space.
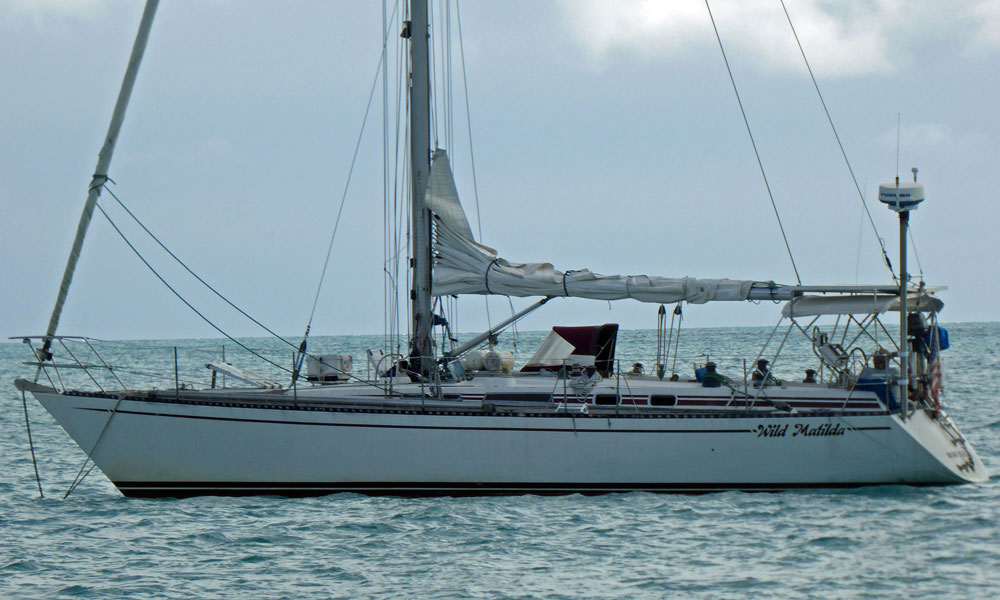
x=800 y=430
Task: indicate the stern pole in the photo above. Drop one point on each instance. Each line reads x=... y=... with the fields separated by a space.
x=904 y=346
x=902 y=198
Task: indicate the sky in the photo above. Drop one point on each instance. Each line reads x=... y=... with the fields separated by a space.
x=606 y=135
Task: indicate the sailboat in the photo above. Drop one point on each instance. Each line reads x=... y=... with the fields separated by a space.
x=464 y=421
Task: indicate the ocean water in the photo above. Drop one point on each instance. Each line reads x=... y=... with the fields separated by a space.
x=887 y=541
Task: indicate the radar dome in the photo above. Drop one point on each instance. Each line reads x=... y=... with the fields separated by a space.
x=901 y=196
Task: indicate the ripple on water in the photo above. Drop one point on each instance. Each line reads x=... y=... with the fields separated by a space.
x=78 y=591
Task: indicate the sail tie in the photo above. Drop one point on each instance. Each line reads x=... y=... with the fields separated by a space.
x=487 y=276
x=98 y=181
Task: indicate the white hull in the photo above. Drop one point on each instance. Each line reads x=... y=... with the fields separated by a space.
x=168 y=448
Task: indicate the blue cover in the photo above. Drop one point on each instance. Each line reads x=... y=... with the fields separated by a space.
x=886 y=393
x=942 y=337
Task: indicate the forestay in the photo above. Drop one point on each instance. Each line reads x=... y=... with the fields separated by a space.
x=463 y=266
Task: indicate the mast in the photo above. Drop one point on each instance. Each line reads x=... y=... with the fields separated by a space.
x=421 y=348
x=101 y=170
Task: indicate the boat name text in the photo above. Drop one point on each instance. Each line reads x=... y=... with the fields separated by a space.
x=800 y=430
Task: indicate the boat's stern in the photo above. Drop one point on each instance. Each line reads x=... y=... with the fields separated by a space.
x=957 y=461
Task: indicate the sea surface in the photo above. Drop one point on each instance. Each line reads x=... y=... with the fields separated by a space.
x=887 y=541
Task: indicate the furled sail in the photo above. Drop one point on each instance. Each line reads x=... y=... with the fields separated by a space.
x=442 y=196
x=463 y=266
x=865 y=304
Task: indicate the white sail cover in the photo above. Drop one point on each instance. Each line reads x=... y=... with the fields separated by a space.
x=463 y=266
x=865 y=304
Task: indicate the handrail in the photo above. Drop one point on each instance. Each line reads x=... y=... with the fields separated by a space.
x=90 y=363
x=104 y=375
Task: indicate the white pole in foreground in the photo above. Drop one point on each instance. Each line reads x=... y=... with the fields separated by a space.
x=904 y=345
x=902 y=198
x=101 y=170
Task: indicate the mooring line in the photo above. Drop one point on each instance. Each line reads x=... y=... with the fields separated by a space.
x=78 y=479
x=31 y=444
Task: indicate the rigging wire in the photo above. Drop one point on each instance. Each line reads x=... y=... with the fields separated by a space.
x=406 y=195
x=451 y=77
x=899 y=120
x=252 y=352
x=913 y=244
x=661 y=314
x=408 y=201
x=440 y=52
x=754 y=144
x=857 y=259
x=445 y=47
x=391 y=228
x=861 y=196
x=401 y=240
x=468 y=118
x=386 y=281
x=188 y=269
x=675 y=340
x=391 y=268
x=432 y=34
x=181 y=298
x=447 y=121
x=513 y=324
x=472 y=154
x=31 y=445
x=347 y=185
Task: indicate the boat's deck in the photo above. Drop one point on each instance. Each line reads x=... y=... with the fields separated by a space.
x=540 y=395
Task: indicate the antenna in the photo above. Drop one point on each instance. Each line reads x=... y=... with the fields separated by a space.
x=898 y=120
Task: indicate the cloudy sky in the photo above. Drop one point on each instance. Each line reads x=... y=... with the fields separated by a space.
x=606 y=135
